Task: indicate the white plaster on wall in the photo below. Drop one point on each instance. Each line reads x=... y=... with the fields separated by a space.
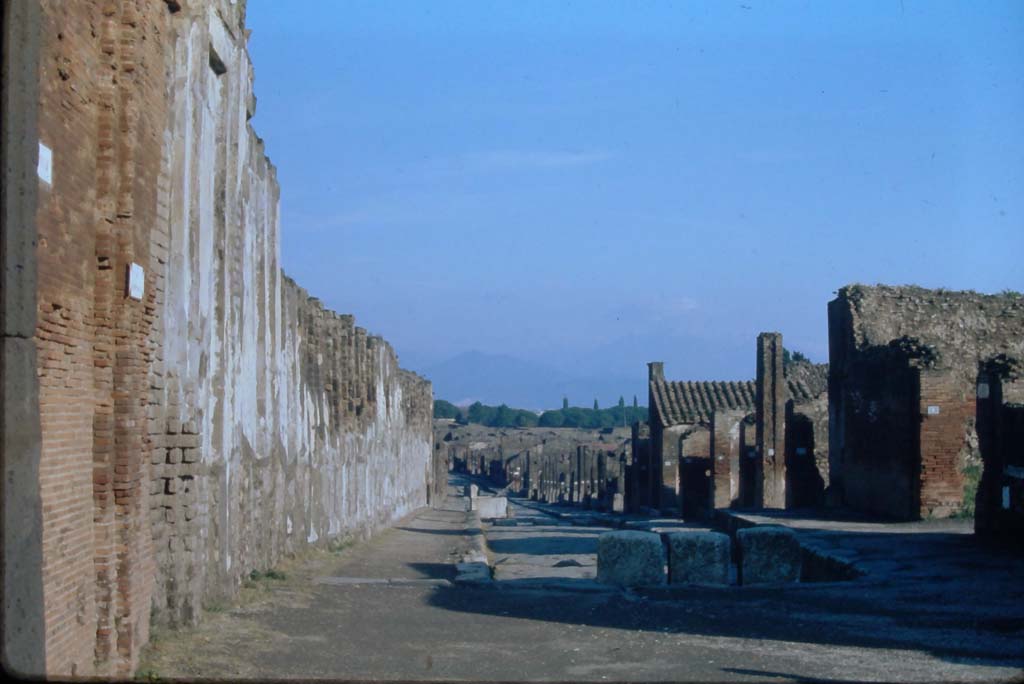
x=45 y=166
x=232 y=341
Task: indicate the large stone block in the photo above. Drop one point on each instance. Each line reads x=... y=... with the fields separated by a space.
x=490 y=506
x=630 y=559
x=768 y=554
x=698 y=557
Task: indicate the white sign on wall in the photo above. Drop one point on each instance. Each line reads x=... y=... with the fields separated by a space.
x=136 y=281
x=933 y=410
x=45 y=167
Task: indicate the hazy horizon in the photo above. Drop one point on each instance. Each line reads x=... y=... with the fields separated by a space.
x=590 y=188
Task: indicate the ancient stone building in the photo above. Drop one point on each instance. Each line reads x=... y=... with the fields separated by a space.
x=751 y=444
x=554 y=465
x=176 y=412
x=903 y=375
x=681 y=416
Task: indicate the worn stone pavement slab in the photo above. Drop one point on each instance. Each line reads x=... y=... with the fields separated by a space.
x=304 y=627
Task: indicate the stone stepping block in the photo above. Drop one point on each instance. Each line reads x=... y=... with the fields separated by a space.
x=630 y=559
x=490 y=507
x=696 y=557
x=768 y=554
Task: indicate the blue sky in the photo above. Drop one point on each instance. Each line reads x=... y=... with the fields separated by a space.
x=593 y=185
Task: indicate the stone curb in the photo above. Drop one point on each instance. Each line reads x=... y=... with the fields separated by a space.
x=820 y=560
x=474 y=568
x=573 y=586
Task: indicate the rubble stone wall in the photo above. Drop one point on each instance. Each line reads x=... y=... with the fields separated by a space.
x=903 y=366
x=275 y=422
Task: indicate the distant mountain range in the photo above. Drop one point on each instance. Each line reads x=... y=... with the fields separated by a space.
x=604 y=371
x=501 y=379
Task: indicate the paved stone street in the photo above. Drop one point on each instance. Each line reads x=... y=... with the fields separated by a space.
x=390 y=608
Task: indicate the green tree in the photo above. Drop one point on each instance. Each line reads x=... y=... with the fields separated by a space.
x=445 y=409
x=525 y=418
x=565 y=402
x=790 y=357
x=552 y=419
x=595 y=405
x=503 y=417
x=480 y=414
x=574 y=417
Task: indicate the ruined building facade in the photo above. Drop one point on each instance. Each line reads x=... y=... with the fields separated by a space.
x=553 y=465
x=176 y=412
x=747 y=444
x=908 y=371
x=681 y=416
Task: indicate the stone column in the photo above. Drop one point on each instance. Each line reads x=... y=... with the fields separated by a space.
x=771 y=425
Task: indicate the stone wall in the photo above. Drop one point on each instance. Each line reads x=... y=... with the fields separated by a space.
x=191 y=432
x=903 y=365
x=275 y=423
x=1000 y=499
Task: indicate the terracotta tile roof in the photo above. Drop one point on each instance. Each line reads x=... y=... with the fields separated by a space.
x=807 y=381
x=684 y=402
x=694 y=402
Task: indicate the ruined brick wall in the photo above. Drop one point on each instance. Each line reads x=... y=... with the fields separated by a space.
x=276 y=423
x=903 y=364
x=944 y=440
x=200 y=431
x=725 y=449
x=101 y=114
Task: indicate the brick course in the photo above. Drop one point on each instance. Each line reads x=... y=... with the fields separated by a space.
x=226 y=417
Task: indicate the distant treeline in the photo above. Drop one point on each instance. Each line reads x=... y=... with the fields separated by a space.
x=567 y=416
